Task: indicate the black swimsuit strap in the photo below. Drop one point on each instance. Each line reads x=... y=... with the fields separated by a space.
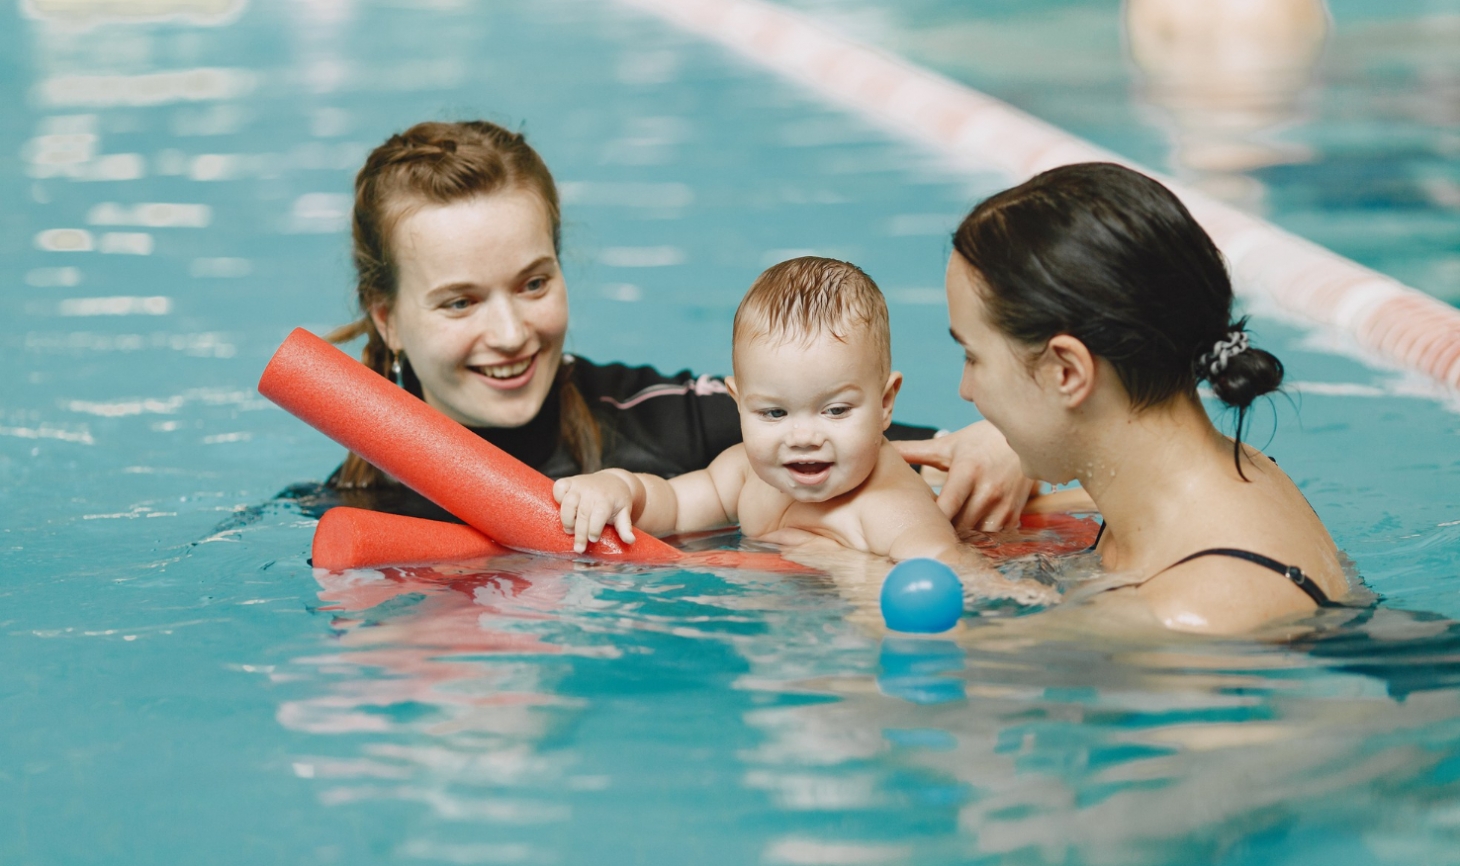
x=1291 y=572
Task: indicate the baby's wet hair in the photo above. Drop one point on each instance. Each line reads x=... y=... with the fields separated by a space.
x=804 y=298
x=1114 y=259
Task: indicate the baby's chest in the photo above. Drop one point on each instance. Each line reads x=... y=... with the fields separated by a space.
x=765 y=510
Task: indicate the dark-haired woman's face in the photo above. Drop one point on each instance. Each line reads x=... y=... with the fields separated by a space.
x=998 y=380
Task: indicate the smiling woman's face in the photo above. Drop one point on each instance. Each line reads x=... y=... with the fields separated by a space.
x=481 y=309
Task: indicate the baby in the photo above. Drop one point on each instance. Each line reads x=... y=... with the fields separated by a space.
x=815 y=387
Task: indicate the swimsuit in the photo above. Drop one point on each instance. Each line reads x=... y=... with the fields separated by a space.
x=1291 y=572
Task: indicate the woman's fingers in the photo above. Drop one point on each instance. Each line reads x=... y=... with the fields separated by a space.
x=986 y=487
x=995 y=506
x=957 y=494
x=924 y=452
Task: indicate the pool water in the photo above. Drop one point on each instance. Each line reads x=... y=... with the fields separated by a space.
x=1356 y=150
x=180 y=686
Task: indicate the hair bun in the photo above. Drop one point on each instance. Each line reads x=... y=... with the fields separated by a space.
x=1246 y=376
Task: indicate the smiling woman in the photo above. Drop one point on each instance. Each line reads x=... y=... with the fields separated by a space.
x=456 y=244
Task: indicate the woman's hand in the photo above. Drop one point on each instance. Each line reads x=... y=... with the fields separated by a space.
x=590 y=502
x=985 y=488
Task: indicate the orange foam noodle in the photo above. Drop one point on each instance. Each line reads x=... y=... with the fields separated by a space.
x=494 y=492
x=349 y=538
x=355 y=538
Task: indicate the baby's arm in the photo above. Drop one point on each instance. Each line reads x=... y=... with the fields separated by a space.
x=929 y=534
x=925 y=538
x=696 y=500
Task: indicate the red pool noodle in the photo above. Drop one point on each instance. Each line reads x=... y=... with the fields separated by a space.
x=496 y=493
x=355 y=538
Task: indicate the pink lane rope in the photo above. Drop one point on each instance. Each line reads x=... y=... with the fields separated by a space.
x=1397 y=324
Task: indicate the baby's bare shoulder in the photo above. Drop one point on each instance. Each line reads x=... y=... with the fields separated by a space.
x=894 y=477
x=895 y=496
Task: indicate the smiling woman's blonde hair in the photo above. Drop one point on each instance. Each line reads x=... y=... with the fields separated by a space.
x=438 y=163
x=800 y=299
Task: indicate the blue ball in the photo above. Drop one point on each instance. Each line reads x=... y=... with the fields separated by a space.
x=922 y=595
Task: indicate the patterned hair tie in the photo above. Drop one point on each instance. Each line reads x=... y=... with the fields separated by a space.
x=1212 y=364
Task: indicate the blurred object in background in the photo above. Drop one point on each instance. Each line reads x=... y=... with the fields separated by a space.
x=1225 y=74
x=88 y=12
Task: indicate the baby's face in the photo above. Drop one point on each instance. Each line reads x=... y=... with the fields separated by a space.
x=813 y=415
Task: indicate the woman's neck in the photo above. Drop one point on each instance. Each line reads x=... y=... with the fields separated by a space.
x=1147 y=473
x=534 y=442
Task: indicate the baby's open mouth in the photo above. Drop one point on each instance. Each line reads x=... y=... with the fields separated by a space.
x=808 y=472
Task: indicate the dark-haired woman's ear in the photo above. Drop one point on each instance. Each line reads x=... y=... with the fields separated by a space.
x=1068 y=368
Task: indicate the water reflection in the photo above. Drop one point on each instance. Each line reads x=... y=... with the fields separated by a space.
x=1129 y=751
x=463 y=688
x=444 y=729
x=1227 y=75
x=499 y=692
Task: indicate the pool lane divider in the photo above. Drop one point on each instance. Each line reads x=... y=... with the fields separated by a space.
x=1396 y=324
x=507 y=504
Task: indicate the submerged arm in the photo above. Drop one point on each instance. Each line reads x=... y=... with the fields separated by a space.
x=931 y=536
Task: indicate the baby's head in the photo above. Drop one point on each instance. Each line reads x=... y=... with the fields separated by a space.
x=812 y=355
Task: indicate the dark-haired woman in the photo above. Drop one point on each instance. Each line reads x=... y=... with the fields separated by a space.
x=456 y=241
x=1089 y=304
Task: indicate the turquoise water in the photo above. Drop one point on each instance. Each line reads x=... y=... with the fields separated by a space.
x=179 y=686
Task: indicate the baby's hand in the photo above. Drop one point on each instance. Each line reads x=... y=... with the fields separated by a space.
x=590 y=502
